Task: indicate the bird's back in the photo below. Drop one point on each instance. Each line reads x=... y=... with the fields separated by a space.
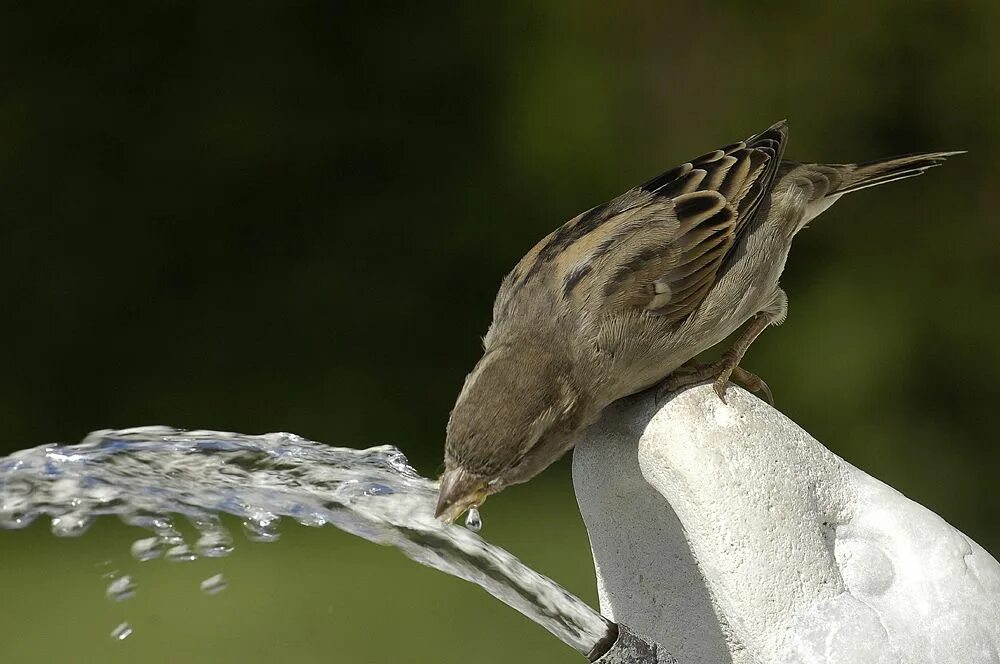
x=642 y=283
x=616 y=279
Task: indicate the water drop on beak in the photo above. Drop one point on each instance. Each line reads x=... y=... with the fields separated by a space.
x=473 y=521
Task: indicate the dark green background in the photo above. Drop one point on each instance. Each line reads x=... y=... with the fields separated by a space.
x=294 y=216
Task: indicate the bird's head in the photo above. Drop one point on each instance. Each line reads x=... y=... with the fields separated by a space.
x=509 y=423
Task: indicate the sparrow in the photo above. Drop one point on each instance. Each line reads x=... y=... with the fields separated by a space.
x=625 y=295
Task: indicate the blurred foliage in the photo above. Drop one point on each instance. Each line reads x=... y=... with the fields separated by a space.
x=294 y=216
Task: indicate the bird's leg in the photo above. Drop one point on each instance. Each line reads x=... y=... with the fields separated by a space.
x=691 y=367
x=728 y=368
x=693 y=373
x=689 y=373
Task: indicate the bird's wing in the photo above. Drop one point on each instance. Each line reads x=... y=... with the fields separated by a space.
x=659 y=247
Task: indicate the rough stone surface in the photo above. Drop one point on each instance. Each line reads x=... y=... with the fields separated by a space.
x=726 y=533
x=646 y=575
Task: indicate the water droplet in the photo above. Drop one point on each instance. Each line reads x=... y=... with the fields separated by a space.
x=15 y=520
x=214 y=584
x=161 y=525
x=214 y=544
x=73 y=524
x=473 y=521
x=164 y=529
x=312 y=520
x=121 y=588
x=181 y=553
x=147 y=548
x=122 y=632
x=262 y=527
x=141 y=520
x=171 y=539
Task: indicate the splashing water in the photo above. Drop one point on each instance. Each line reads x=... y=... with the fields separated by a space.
x=149 y=475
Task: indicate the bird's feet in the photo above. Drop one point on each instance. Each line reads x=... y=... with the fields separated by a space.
x=725 y=370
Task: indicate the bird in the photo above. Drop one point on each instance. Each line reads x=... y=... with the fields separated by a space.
x=624 y=296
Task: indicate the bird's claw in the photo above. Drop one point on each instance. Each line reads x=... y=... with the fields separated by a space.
x=720 y=388
x=724 y=371
x=753 y=383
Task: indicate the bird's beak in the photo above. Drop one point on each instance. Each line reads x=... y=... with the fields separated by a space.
x=459 y=492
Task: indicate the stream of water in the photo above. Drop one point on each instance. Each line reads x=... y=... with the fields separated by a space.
x=150 y=476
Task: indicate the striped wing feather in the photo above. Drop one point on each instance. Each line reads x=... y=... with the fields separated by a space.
x=662 y=253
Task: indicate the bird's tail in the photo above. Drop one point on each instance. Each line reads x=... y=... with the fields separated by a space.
x=871 y=173
x=823 y=184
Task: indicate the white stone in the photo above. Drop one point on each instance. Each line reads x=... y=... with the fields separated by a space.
x=727 y=533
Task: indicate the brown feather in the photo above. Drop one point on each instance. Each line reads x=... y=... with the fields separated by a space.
x=622 y=295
